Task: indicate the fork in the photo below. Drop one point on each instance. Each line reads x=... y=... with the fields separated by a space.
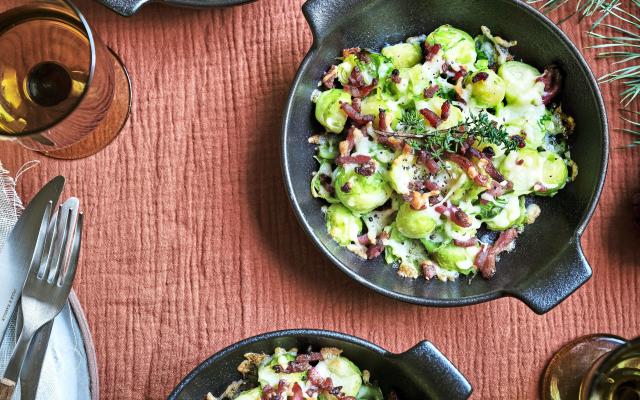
x=47 y=286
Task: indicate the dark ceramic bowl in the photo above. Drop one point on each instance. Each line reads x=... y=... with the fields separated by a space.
x=419 y=373
x=548 y=264
x=130 y=7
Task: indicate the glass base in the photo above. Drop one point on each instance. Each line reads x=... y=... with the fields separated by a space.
x=564 y=372
x=112 y=123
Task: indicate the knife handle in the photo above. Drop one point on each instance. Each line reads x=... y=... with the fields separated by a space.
x=7 y=387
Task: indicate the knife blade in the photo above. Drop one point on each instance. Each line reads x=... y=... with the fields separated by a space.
x=17 y=253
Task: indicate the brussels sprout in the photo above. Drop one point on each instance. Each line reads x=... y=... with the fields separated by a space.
x=523 y=168
x=328 y=110
x=457 y=45
x=403 y=55
x=416 y=224
x=512 y=213
x=419 y=79
x=408 y=252
x=365 y=193
x=454 y=258
x=555 y=174
x=342 y=225
x=524 y=118
x=371 y=105
x=268 y=376
x=521 y=84
x=487 y=92
x=345 y=68
x=370 y=392
x=328 y=147
x=318 y=190
x=454 y=180
x=253 y=394
x=342 y=373
x=405 y=170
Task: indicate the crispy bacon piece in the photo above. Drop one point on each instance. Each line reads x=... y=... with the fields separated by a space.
x=469 y=168
x=486 y=163
x=456 y=215
x=353 y=50
x=382 y=121
x=329 y=78
x=297 y=392
x=552 y=79
x=480 y=76
x=488 y=152
x=366 y=169
x=431 y=51
x=459 y=74
x=496 y=190
x=428 y=270
x=356 y=116
x=444 y=110
x=359 y=159
x=395 y=76
x=345 y=146
x=323 y=385
x=430 y=91
x=486 y=258
x=310 y=357
x=346 y=188
x=431 y=117
x=466 y=243
x=425 y=159
x=375 y=250
x=357 y=104
x=431 y=186
x=357 y=85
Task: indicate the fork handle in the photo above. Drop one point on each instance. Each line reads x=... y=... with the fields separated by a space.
x=7 y=387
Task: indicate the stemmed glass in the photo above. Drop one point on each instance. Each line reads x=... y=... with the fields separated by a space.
x=594 y=367
x=62 y=91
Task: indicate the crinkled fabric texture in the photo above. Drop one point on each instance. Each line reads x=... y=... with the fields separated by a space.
x=65 y=373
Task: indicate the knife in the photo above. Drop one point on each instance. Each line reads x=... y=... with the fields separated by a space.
x=17 y=253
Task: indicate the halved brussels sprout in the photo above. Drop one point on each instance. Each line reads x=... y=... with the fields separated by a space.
x=318 y=190
x=268 y=376
x=523 y=169
x=342 y=225
x=489 y=91
x=328 y=110
x=521 y=84
x=416 y=224
x=404 y=170
x=555 y=174
x=524 y=118
x=365 y=193
x=407 y=252
x=457 y=45
x=454 y=258
x=343 y=373
x=370 y=392
x=403 y=55
x=512 y=213
x=419 y=78
x=253 y=394
x=371 y=105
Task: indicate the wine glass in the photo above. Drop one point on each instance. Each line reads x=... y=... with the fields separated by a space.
x=62 y=91
x=594 y=367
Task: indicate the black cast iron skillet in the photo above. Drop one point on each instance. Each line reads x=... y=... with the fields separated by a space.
x=421 y=372
x=548 y=263
x=130 y=7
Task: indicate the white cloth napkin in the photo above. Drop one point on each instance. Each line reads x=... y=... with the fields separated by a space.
x=65 y=373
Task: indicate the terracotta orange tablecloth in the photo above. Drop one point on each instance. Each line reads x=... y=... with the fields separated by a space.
x=186 y=210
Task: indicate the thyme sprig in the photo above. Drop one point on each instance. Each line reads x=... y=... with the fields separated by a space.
x=440 y=141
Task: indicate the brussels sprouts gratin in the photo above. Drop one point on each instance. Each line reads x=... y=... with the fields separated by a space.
x=323 y=375
x=432 y=144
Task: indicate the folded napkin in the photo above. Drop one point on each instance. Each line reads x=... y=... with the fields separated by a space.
x=65 y=373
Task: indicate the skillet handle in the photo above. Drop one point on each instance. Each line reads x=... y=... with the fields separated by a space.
x=322 y=14
x=545 y=291
x=425 y=363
